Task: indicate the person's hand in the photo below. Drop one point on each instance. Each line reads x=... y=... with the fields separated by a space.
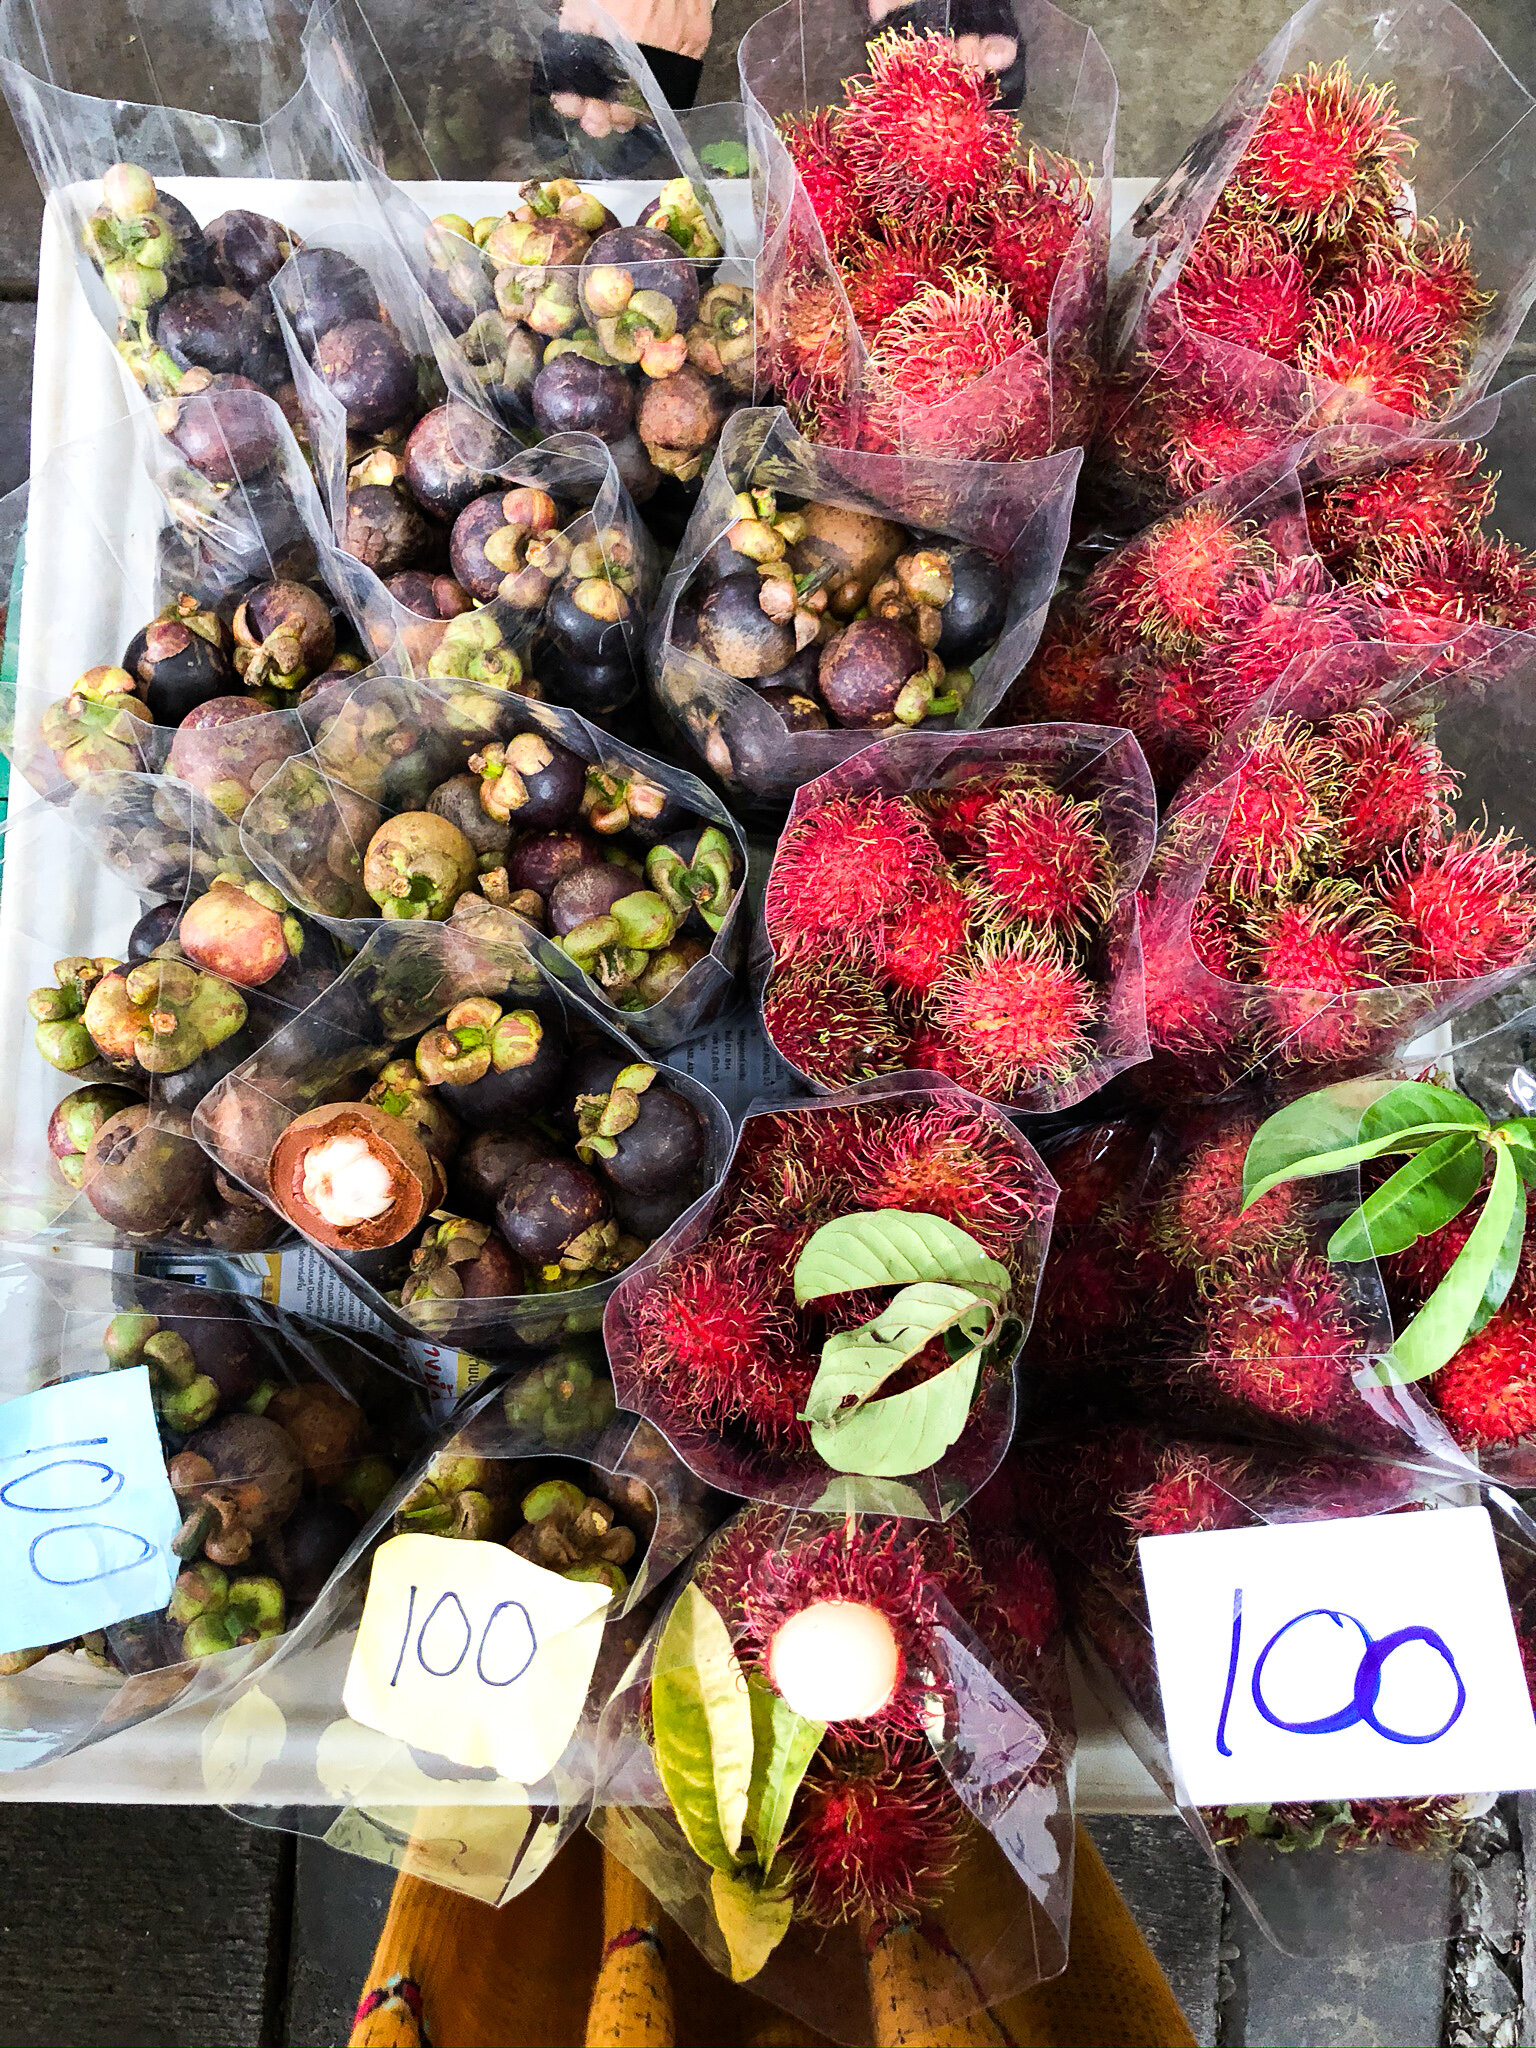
x=995 y=53
x=681 y=26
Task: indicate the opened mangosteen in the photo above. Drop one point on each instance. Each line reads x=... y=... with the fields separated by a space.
x=384 y=530
x=554 y=1216
x=202 y=328
x=181 y=659
x=640 y=1134
x=371 y=373
x=530 y=782
x=866 y=668
x=572 y=395
x=488 y=1063
x=144 y=1172
x=352 y=1177
x=225 y=426
x=284 y=635
x=321 y=290
x=738 y=636
x=248 y=249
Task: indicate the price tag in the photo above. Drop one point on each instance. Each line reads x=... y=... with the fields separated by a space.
x=1350 y=1659
x=470 y=1652
x=87 y=1515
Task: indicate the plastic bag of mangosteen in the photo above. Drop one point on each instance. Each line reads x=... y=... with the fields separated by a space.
x=475 y=1149
x=613 y=291
x=630 y=871
x=822 y=596
x=438 y=1709
x=188 y=1469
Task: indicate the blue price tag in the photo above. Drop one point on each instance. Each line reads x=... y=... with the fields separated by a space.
x=87 y=1515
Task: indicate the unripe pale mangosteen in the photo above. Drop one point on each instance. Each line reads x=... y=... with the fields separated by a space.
x=589 y=892
x=738 y=636
x=850 y=550
x=679 y=417
x=574 y=396
x=248 y=249
x=539 y=863
x=865 y=668
x=448 y=458
x=974 y=616
x=202 y=328
x=371 y=372
x=323 y=289
x=145 y=1172
x=546 y=1208
x=384 y=530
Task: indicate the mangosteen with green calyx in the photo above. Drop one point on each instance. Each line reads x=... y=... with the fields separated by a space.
x=353 y=1178
x=474 y=647
x=74 y=1123
x=302 y=1552
x=615 y=947
x=571 y=395
x=615 y=797
x=202 y=328
x=704 y=879
x=641 y=1135
x=738 y=636
x=678 y=213
x=589 y=892
x=242 y=930
x=160 y=1016
x=866 y=668
x=180 y=660
x=627 y=262
x=248 y=249
x=371 y=373
x=488 y=1063
x=458 y=800
x=322 y=289
x=487 y=1163
x=384 y=529
x=449 y=456
x=529 y=781
x=679 y=418
x=284 y=635
x=417 y=866
x=458 y=1260
x=799 y=712
x=229 y=748
x=225 y=426
x=540 y=862
x=144 y=1172
x=555 y=1218
x=101 y=727
x=400 y=1091
x=564 y=1398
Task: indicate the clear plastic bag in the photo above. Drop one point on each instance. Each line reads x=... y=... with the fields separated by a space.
x=309 y=1427
x=1100 y=766
x=316 y=1770
x=1017 y=513
x=406 y=979
x=985 y=1778
x=795 y=60
x=796 y=1166
x=1185 y=408
x=309 y=834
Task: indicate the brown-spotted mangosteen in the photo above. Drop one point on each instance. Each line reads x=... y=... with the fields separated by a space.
x=487 y=1163
x=235 y=1480
x=554 y=1216
x=448 y=458
x=326 y=1425
x=799 y=712
x=588 y=892
x=679 y=419
x=322 y=289
x=738 y=636
x=202 y=328
x=849 y=551
x=384 y=529
x=488 y=1063
x=248 y=249
x=458 y=800
x=572 y=395
x=352 y=1177
x=865 y=669
x=371 y=372
x=145 y=1172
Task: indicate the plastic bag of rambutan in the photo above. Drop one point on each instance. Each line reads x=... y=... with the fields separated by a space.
x=836 y=1324
x=1349 y=868
x=1351 y=236
x=967 y=903
x=841 y=1763
x=1381 y=1865
x=1012 y=519
x=932 y=276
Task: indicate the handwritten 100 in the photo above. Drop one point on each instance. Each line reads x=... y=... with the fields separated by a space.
x=514 y=1646
x=102 y=1489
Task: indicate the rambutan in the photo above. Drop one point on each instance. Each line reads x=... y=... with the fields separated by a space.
x=1467 y=580
x=1165 y=588
x=934 y=352
x=1432 y=270
x=1186 y=1016
x=1028 y=228
x=1244 y=285
x=885 y=270
x=932 y=1051
x=1169 y=704
x=714 y=1339
x=1392 y=784
x=1326 y=148
x=924 y=938
x=1439 y=494
x=1380 y=347
x=807 y=354
x=825 y=173
x=1190 y=1492
x=1435 y=1825
x=1089 y=1287
x=1206 y=437
x=1281 y=820
x=1284 y=1344
x=1044 y=860
x=1280 y=616
x=1314 y=954
x=1018 y=1016
x=875 y=1831
x=793 y=1160
x=922 y=130
x=954 y=1159
x=1021 y=1613
x=1467 y=905
x=1199 y=1223
x=954 y=814
x=844 y=867
x=833 y=1022
x=1487 y=1393
x=1071 y=677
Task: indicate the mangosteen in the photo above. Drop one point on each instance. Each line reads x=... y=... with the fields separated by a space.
x=384 y=530
x=202 y=328
x=371 y=372
x=352 y=1177
x=720 y=560
x=247 y=1468
x=193 y=261
x=449 y=457
x=302 y=1552
x=592 y=1070
x=76 y=1120
x=487 y=1164
x=156 y=928
x=555 y=1213
x=679 y=419
x=539 y=863
x=243 y=934
x=641 y=1135
x=738 y=636
x=625 y=262
x=248 y=249
x=591 y=621
x=597 y=689
x=458 y=800
x=798 y=711
x=321 y=290
x=587 y=892
x=226 y=427
x=284 y=634
x=973 y=618
x=488 y=1064
x=145 y=1172
x=182 y=659
x=638 y=474
x=532 y=782
x=223 y=754
x=865 y=668
x=647 y=1216
x=518 y=361
x=458 y=1259
x=479 y=522
x=849 y=551
x=574 y=396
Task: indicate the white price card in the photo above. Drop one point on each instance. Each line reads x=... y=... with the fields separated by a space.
x=469 y=1652
x=1350 y=1659
x=87 y=1515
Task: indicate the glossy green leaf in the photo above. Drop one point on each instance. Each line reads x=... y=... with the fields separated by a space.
x=1505 y=1266
x=894 y=1248
x=1442 y=1325
x=1413 y=1104
x=1327 y=1120
x=905 y=1432
x=702 y=1716
x=1426 y=1193
x=1519 y=1133
x=783 y=1744
x=855 y=1363
x=753 y=1919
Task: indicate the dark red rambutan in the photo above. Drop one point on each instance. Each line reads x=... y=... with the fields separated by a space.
x=1432 y=1826
x=1487 y=1393
x=1378 y=346
x=1244 y=285
x=714 y=1340
x=922 y=130
x=1190 y=1492
x=1044 y=861
x=1314 y=954
x=807 y=352
x=934 y=353
x=1439 y=494
x=888 y=268
x=957 y=1160
x=954 y=814
x=1169 y=704
x=1019 y=1017
x=1020 y=1615
x=1470 y=580
x=930 y=1050
x=1281 y=821
x=1199 y=1224
x=1392 y=784
x=1165 y=588
x=1467 y=905
x=1028 y=228
x=1090 y=1287
x=1326 y=149
x=833 y=1022
x=825 y=174
x=1284 y=1344
x=794 y=1160
x=875 y=1831
x=844 y=867
x=1187 y=1015
x=1280 y=616
x=924 y=938
x=1120 y=1636
x=1071 y=678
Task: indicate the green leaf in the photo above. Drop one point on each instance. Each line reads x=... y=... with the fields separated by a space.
x=1421 y=1197
x=1412 y=1104
x=1324 y=1121
x=1350 y=1122
x=1505 y=1266
x=1442 y=1325
x=1519 y=1133
x=783 y=1744
x=893 y=1248
x=728 y=158
x=753 y=1919
x=702 y=1717
x=855 y=1363
x=904 y=1433
x=854 y=1496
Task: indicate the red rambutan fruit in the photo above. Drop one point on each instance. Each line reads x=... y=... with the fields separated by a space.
x=1029 y=226
x=1280 y=616
x=1392 y=784
x=1206 y=437
x=1435 y=1825
x=714 y=1339
x=874 y=1831
x=1044 y=860
x=1071 y=677
x=1018 y=1016
x=1281 y=820
x=1380 y=347
x=1165 y=588
x=954 y=814
x=1244 y=285
x=1467 y=905
x=1432 y=270
x=922 y=129
x=932 y=354
x=793 y=1161
x=833 y=1022
x=953 y=1159
x=844 y=867
x=1185 y=1015
x=1439 y=494
x=1314 y=954
x=930 y=1050
x=924 y=938
x=887 y=269
x=1487 y=1393
x=1199 y=1223
x=1021 y=1613
x=1089 y=1287
x=824 y=172
x=808 y=345
x=1467 y=580
x=1326 y=148
x=1190 y=1492
x=1168 y=703
x=1284 y=1344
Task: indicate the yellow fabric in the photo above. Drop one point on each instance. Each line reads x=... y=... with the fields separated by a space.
x=550 y=1971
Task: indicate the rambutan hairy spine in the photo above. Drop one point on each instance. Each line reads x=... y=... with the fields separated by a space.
x=1393 y=784
x=956 y=1159
x=714 y=1340
x=1243 y=284
x=827 y=177
x=1487 y=1393
x=1285 y=1345
x=1436 y=495
x=922 y=129
x=1326 y=148
x=833 y=1022
x=1467 y=905
x=844 y=867
x=932 y=354
x=1044 y=861
x=1019 y=1016
x=873 y=1833
x=1165 y=589
x=1281 y=819
x=1199 y=1223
